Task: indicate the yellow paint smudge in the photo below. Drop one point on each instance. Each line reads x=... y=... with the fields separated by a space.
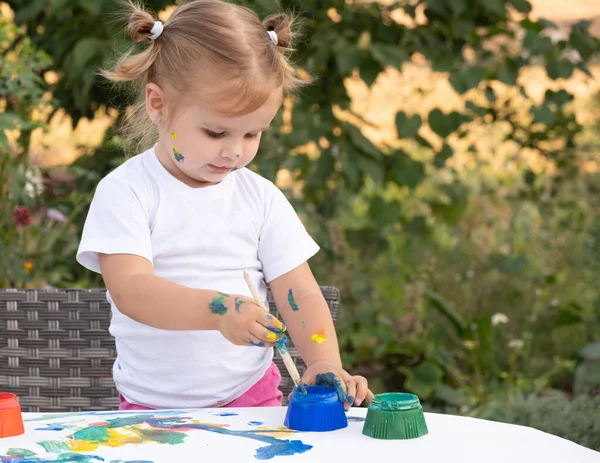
x=271 y=336
x=173 y=135
x=320 y=337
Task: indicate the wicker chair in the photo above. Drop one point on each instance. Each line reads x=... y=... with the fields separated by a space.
x=56 y=353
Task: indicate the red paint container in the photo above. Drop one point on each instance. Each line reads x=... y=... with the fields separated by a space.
x=11 y=419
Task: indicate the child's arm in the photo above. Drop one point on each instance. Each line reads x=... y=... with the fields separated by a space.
x=161 y=303
x=308 y=319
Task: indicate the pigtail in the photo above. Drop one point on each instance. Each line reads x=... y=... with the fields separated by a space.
x=284 y=26
x=133 y=65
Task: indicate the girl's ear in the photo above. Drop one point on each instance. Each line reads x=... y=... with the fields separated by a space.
x=155 y=102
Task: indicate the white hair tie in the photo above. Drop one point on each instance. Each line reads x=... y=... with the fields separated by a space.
x=273 y=36
x=156 y=30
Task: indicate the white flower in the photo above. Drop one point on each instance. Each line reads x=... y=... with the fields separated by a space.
x=554 y=303
x=499 y=318
x=516 y=344
x=55 y=214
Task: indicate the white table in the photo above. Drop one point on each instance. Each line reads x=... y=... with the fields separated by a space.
x=254 y=434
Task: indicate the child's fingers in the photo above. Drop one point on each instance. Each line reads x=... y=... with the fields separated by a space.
x=254 y=341
x=350 y=392
x=272 y=323
x=362 y=390
x=264 y=334
x=333 y=380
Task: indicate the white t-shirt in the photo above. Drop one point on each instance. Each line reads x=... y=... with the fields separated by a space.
x=201 y=238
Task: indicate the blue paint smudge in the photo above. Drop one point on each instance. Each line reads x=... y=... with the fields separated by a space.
x=51 y=428
x=255 y=423
x=226 y=414
x=217 y=305
x=257 y=344
x=329 y=379
x=274 y=329
x=356 y=419
x=292 y=302
x=350 y=399
x=281 y=345
x=238 y=303
x=276 y=447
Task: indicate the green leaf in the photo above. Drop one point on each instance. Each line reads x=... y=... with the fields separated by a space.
x=84 y=51
x=367 y=238
x=93 y=7
x=26 y=14
x=559 y=98
x=373 y=168
x=445 y=124
x=441 y=157
x=452 y=396
x=347 y=57
x=423 y=379
x=453 y=207
x=446 y=309
x=495 y=6
x=389 y=55
x=490 y=95
x=591 y=351
x=464 y=80
x=4 y=142
x=530 y=25
x=536 y=43
x=9 y=121
x=408 y=126
x=478 y=110
x=363 y=143
x=522 y=6
x=508 y=72
x=405 y=171
x=369 y=70
x=508 y=265
x=382 y=212
x=585 y=45
x=543 y=114
x=559 y=68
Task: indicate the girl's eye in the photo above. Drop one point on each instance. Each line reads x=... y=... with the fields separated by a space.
x=252 y=135
x=212 y=134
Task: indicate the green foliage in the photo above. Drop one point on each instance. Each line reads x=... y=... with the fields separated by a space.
x=37 y=238
x=577 y=420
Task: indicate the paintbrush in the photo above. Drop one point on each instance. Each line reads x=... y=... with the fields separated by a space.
x=285 y=355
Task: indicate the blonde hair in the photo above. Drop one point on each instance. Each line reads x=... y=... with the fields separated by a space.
x=218 y=50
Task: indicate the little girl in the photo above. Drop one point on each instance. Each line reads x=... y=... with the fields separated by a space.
x=173 y=229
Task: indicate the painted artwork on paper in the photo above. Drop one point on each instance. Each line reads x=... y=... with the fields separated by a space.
x=142 y=437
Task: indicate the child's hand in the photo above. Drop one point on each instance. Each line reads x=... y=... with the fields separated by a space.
x=352 y=390
x=245 y=323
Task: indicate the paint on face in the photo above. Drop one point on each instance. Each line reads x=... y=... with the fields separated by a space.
x=320 y=337
x=329 y=379
x=178 y=156
x=217 y=305
x=293 y=304
x=303 y=325
x=257 y=344
x=238 y=304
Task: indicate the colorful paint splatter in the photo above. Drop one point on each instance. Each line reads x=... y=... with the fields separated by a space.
x=257 y=344
x=292 y=302
x=164 y=427
x=319 y=337
x=178 y=156
x=217 y=305
x=238 y=304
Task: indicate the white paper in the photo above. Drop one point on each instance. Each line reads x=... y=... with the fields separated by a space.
x=251 y=435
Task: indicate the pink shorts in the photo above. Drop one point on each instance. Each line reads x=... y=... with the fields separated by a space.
x=265 y=393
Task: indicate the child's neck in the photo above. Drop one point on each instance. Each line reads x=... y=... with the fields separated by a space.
x=169 y=165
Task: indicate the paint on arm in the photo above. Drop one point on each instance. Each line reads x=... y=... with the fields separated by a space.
x=319 y=337
x=217 y=305
x=292 y=302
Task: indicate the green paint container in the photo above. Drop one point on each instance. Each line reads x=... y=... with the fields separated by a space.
x=395 y=415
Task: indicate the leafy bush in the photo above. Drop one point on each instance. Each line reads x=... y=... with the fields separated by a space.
x=577 y=420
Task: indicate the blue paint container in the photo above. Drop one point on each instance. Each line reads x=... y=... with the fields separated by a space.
x=319 y=410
